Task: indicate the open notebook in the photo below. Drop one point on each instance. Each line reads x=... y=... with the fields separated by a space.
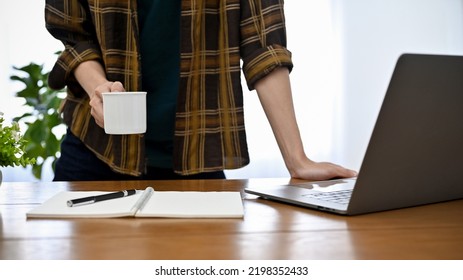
x=147 y=203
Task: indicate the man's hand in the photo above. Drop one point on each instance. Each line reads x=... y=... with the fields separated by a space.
x=96 y=99
x=274 y=92
x=318 y=171
x=92 y=78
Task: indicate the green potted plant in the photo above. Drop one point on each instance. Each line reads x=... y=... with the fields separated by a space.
x=42 y=118
x=12 y=146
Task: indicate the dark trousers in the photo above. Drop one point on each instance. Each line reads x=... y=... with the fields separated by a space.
x=78 y=163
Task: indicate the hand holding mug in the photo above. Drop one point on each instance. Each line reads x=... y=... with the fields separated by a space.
x=96 y=99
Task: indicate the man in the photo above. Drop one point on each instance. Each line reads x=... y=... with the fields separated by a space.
x=186 y=55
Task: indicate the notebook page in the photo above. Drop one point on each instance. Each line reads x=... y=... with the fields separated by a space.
x=187 y=204
x=56 y=206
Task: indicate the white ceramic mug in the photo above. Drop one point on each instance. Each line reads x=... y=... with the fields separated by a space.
x=124 y=112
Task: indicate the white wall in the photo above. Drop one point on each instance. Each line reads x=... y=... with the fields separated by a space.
x=344 y=53
x=373 y=33
x=23 y=40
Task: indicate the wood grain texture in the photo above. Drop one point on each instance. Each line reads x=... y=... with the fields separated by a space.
x=269 y=230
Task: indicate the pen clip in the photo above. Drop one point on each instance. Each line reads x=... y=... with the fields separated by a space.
x=142 y=200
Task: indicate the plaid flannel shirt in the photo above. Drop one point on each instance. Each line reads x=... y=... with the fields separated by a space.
x=215 y=36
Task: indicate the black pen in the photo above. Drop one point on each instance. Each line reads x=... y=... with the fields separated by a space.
x=93 y=199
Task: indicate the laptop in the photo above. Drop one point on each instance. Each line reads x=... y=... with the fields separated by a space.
x=415 y=153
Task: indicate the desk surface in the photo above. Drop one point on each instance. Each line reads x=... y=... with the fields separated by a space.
x=269 y=230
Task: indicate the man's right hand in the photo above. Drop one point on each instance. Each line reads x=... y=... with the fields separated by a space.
x=92 y=78
x=96 y=99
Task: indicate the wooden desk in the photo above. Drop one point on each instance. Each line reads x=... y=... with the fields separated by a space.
x=269 y=230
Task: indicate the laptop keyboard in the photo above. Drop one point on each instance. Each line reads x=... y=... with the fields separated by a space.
x=342 y=196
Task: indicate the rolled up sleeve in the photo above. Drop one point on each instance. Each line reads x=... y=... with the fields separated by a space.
x=263 y=39
x=70 y=22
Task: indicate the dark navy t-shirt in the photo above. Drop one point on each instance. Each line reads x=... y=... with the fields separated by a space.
x=159 y=22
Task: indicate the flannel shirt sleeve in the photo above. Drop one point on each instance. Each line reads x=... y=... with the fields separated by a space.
x=263 y=39
x=70 y=22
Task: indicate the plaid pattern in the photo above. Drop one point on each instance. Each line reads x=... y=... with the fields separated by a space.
x=215 y=36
